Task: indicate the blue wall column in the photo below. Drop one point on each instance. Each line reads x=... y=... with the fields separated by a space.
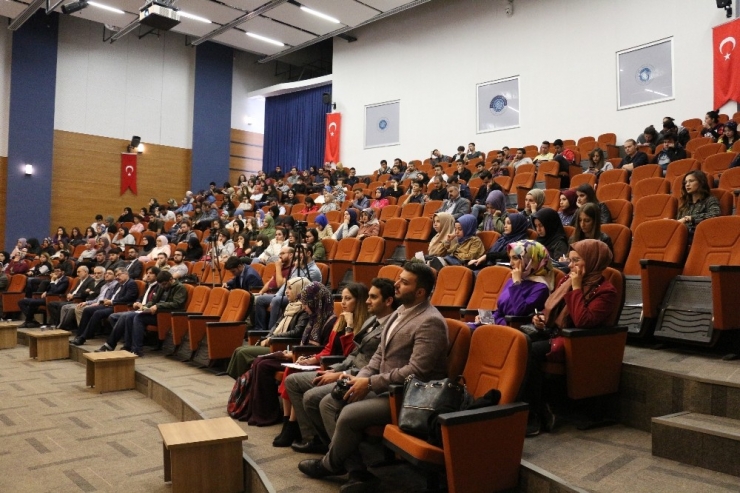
x=31 y=127
x=214 y=65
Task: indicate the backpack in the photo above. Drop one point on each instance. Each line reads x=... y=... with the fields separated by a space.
x=238 y=404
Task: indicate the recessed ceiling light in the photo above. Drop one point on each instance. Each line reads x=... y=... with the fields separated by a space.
x=265 y=39
x=106 y=7
x=194 y=17
x=319 y=14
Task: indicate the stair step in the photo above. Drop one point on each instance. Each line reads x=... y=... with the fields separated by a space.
x=701 y=440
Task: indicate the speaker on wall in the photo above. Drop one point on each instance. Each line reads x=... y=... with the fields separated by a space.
x=326 y=98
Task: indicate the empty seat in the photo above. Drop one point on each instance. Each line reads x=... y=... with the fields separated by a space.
x=620 y=210
x=418 y=234
x=217 y=337
x=614 y=191
x=411 y=210
x=680 y=168
x=587 y=178
x=368 y=262
x=649 y=186
x=702 y=153
x=392 y=272
x=389 y=211
x=645 y=171
x=696 y=142
x=547 y=175
x=654 y=207
x=730 y=180
x=488 y=285
x=621 y=237
x=393 y=234
x=452 y=290
x=716 y=164
x=431 y=207
x=662 y=241
x=522 y=183
x=347 y=251
x=701 y=302
x=613 y=176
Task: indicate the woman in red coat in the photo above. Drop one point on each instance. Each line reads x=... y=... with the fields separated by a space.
x=341 y=341
x=584 y=299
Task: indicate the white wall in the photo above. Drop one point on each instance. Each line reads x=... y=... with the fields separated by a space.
x=6 y=45
x=134 y=86
x=431 y=58
x=248 y=113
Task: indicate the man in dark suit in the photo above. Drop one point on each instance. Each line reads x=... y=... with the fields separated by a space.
x=306 y=389
x=92 y=317
x=413 y=342
x=84 y=282
x=58 y=285
x=171 y=295
x=455 y=203
x=134 y=266
x=245 y=277
x=68 y=313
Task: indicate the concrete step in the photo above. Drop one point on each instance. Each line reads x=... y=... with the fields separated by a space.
x=701 y=440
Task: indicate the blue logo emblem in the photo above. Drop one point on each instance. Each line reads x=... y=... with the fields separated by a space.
x=644 y=74
x=382 y=124
x=498 y=105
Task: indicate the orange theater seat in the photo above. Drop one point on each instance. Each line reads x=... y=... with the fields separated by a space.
x=452 y=289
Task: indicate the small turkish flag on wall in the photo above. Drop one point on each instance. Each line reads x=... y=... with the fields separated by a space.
x=726 y=63
x=128 y=172
x=333 y=126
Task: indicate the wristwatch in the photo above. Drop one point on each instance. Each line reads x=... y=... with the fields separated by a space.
x=369 y=385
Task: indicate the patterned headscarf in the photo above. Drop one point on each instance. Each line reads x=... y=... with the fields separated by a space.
x=317 y=298
x=536 y=263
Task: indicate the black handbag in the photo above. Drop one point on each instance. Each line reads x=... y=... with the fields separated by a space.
x=424 y=401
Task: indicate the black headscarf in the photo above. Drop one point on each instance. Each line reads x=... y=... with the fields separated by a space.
x=555 y=239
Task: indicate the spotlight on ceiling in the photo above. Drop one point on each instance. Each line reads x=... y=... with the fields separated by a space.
x=727 y=5
x=73 y=7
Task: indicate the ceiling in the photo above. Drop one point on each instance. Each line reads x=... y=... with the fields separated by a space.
x=230 y=20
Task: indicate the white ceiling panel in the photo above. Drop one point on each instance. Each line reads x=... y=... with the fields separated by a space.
x=290 y=14
x=348 y=12
x=276 y=31
x=246 y=5
x=239 y=40
x=210 y=10
x=104 y=17
x=385 y=5
x=11 y=9
x=193 y=28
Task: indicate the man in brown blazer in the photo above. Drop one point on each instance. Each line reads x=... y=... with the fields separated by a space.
x=413 y=342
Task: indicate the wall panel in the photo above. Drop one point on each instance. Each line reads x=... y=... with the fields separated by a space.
x=3 y=193
x=246 y=153
x=86 y=177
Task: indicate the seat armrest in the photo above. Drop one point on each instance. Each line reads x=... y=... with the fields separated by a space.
x=184 y=314
x=395 y=401
x=327 y=361
x=519 y=319
x=465 y=311
x=482 y=414
x=601 y=331
x=199 y=316
x=225 y=324
x=725 y=279
x=730 y=269
x=283 y=340
x=647 y=263
x=259 y=333
x=307 y=349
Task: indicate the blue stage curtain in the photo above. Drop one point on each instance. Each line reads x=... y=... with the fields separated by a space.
x=295 y=129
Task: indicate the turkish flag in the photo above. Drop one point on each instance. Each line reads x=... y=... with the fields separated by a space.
x=726 y=63
x=333 y=126
x=128 y=172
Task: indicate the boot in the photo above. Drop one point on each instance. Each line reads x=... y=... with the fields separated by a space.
x=291 y=432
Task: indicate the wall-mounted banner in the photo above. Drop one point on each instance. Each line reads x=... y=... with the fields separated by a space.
x=333 y=129
x=128 y=172
x=726 y=63
x=645 y=74
x=498 y=104
x=382 y=124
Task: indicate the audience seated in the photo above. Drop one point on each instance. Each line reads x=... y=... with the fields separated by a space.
x=515 y=229
x=550 y=232
x=588 y=226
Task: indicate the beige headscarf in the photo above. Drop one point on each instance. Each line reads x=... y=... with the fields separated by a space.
x=447 y=227
x=297 y=284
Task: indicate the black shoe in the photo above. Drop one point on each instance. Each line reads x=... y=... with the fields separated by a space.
x=314 y=469
x=124 y=348
x=291 y=433
x=104 y=348
x=314 y=446
x=534 y=425
x=78 y=341
x=360 y=482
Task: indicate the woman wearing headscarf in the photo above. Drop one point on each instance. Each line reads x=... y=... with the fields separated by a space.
x=444 y=224
x=103 y=244
x=533 y=202
x=349 y=227
x=268 y=225
x=462 y=245
x=515 y=229
x=342 y=341
x=194 y=251
x=496 y=213
x=291 y=324
x=162 y=246
x=568 y=207
x=379 y=201
x=323 y=227
x=330 y=203
x=550 y=232
x=33 y=246
x=369 y=224
x=264 y=408
x=584 y=299
x=127 y=216
x=532 y=280
x=20 y=245
x=147 y=244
